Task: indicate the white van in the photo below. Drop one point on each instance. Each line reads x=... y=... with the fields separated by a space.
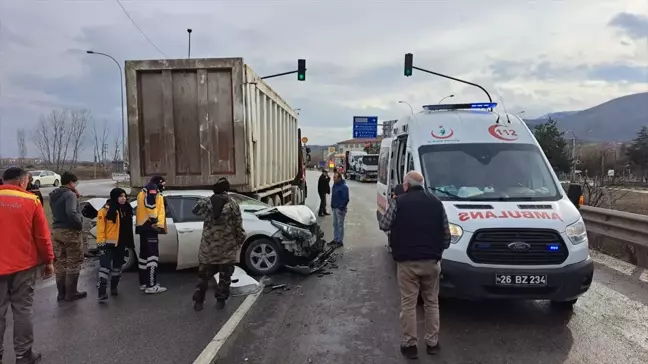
x=515 y=233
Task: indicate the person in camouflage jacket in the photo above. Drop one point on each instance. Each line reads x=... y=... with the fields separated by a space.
x=222 y=237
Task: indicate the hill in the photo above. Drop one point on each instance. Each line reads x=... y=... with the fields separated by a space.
x=615 y=120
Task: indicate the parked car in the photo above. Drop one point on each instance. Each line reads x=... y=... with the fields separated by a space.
x=45 y=178
x=279 y=236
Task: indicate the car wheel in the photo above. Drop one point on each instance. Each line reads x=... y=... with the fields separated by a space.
x=37 y=184
x=130 y=259
x=56 y=183
x=263 y=257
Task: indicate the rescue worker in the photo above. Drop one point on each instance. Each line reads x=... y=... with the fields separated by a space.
x=68 y=247
x=323 y=189
x=222 y=237
x=150 y=220
x=114 y=234
x=25 y=244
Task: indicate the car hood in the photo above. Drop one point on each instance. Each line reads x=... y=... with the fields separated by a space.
x=475 y=215
x=299 y=213
x=97 y=203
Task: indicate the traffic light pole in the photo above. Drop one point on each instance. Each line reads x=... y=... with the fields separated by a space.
x=279 y=74
x=455 y=79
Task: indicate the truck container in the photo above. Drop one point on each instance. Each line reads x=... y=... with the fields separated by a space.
x=194 y=121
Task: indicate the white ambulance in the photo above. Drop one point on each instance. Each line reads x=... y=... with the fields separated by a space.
x=515 y=233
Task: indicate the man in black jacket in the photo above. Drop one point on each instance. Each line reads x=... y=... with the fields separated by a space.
x=323 y=189
x=420 y=233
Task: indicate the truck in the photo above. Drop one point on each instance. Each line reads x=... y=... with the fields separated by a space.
x=194 y=121
x=361 y=166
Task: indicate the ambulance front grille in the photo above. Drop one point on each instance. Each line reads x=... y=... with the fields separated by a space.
x=517 y=247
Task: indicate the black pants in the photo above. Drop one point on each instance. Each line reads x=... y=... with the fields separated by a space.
x=322 y=206
x=111 y=260
x=206 y=272
x=148 y=259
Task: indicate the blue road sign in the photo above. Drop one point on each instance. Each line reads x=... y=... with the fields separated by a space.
x=365 y=126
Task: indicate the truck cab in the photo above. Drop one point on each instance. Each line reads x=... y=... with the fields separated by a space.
x=515 y=233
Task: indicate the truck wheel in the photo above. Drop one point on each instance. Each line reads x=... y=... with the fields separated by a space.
x=268 y=200
x=263 y=257
x=277 y=200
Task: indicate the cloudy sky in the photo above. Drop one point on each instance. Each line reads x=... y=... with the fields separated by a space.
x=536 y=56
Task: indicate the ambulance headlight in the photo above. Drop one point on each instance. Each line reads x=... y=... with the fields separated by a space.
x=456 y=232
x=577 y=232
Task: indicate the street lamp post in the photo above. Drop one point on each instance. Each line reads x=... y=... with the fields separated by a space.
x=573 y=156
x=121 y=89
x=447 y=97
x=407 y=103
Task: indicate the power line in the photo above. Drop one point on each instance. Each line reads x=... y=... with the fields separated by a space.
x=140 y=29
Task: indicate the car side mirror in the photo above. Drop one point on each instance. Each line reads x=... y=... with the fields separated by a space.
x=575 y=194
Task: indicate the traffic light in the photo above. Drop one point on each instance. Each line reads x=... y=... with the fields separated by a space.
x=301 y=70
x=409 y=64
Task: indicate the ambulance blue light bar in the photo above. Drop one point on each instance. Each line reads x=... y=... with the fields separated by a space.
x=475 y=105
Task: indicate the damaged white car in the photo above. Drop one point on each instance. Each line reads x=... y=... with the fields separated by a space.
x=281 y=236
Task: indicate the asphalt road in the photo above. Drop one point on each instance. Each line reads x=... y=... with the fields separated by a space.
x=131 y=328
x=97 y=187
x=351 y=316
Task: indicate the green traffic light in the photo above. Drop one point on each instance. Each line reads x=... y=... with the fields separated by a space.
x=301 y=77
x=408 y=72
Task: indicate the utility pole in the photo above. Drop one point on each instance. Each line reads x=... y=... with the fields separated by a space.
x=189 y=51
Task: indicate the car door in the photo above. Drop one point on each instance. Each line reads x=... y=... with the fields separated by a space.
x=190 y=227
x=48 y=178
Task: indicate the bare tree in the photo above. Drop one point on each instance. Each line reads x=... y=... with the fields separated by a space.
x=100 y=136
x=22 y=145
x=59 y=136
x=79 y=120
x=116 y=150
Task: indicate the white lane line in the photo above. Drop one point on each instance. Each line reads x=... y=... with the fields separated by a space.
x=212 y=349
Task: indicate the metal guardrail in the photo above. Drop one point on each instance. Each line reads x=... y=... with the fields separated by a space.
x=619 y=225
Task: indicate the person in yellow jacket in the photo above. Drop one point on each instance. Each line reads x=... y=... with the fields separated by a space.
x=150 y=222
x=114 y=234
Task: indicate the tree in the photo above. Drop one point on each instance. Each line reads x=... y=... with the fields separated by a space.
x=554 y=145
x=100 y=142
x=59 y=137
x=372 y=148
x=22 y=145
x=637 y=152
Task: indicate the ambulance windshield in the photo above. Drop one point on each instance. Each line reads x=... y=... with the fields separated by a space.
x=487 y=172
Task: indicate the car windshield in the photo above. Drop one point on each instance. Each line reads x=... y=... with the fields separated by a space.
x=248 y=203
x=487 y=172
x=370 y=160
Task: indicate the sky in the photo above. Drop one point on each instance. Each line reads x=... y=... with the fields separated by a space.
x=532 y=56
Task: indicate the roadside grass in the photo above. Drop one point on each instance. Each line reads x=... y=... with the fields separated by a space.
x=630 y=202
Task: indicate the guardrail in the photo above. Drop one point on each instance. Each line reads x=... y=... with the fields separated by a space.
x=618 y=233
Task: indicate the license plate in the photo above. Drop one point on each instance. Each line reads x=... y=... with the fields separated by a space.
x=521 y=279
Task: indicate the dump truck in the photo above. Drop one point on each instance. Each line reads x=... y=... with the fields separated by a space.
x=194 y=121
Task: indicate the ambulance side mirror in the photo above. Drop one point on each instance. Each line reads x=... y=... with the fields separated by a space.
x=575 y=194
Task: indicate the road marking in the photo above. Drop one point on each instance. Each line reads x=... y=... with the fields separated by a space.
x=212 y=349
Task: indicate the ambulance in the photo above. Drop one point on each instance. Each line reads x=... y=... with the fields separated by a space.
x=515 y=232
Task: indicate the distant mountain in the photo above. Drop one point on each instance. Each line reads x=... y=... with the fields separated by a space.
x=615 y=120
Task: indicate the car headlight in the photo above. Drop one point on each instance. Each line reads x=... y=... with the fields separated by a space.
x=456 y=232
x=292 y=231
x=577 y=232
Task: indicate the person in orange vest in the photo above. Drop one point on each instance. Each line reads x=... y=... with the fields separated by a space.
x=25 y=244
